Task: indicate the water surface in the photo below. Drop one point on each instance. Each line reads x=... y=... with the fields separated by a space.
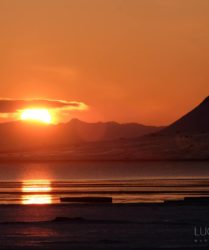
x=125 y=182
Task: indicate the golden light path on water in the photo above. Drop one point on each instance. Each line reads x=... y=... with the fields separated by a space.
x=32 y=192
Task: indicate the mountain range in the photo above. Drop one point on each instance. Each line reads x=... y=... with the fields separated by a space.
x=185 y=139
x=21 y=135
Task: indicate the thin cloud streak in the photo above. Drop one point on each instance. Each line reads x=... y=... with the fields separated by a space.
x=14 y=105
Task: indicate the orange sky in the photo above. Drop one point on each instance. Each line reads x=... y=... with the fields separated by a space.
x=129 y=60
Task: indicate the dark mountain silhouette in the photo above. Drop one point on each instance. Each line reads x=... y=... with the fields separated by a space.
x=21 y=135
x=194 y=122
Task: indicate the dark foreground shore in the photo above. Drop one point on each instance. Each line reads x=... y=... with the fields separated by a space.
x=106 y=226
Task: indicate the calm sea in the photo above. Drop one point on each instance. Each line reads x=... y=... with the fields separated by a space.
x=125 y=182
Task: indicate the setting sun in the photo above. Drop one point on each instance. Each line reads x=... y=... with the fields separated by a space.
x=37 y=115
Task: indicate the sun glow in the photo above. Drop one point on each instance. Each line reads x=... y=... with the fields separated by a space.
x=37 y=115
x=36 y=192
x=36 y=186
x=36 y=199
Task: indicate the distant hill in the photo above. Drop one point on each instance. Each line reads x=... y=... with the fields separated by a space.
x=194 y=122
x=20 y=135
x=105 y=131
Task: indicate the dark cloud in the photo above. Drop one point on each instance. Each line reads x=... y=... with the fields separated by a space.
x=13 y=105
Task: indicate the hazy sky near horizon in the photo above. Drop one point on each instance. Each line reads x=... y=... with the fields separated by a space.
x=128 y=60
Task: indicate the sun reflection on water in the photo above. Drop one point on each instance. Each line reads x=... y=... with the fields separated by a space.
x=36 y=192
